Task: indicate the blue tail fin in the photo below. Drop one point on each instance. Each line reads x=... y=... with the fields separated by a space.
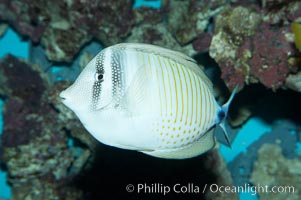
x=222 y=115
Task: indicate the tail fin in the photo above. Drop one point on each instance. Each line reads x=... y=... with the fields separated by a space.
x=222 y=115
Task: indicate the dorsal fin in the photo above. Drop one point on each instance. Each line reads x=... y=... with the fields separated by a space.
x=176 y=56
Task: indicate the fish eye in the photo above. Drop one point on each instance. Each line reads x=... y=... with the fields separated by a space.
x=98 y=76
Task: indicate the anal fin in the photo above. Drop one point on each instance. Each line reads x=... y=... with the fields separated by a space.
x=194 y=149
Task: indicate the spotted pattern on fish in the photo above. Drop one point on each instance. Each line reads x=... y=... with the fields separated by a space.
x=97 y=84
x=117 y=78
x=187 y=110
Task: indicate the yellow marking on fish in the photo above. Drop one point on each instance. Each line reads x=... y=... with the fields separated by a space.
x=206 y=108
x=149 y=64
x=181 y=91
x=170 y=88
x=175 y=86
x=187 y=97
x=211 y=112
x=209 y=108
x=190 y=79
x=201 y=104
x=199 y=100
x=163 y=82
x=160 y=102
x=196 y=97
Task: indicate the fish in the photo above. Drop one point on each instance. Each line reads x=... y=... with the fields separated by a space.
x=147 y=98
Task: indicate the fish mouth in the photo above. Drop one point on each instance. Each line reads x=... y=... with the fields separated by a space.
x=63 y=98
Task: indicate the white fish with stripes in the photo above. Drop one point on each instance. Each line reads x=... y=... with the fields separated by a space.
x=147 y=98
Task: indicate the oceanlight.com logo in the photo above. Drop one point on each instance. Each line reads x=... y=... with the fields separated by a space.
x=191 y=188
x=252 y=189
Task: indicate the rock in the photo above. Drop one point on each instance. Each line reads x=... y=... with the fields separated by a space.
x=34 y=143
x=273 y=169
x=64 y=27
x=250 y=50
x=293 y=81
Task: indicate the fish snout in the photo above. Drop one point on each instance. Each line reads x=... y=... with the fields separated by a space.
x=63 y=97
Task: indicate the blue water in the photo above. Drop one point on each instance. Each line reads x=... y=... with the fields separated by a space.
x=249 y=133
x=298 y=147
x=247 y=196
x=11 y=43
x=147 y=3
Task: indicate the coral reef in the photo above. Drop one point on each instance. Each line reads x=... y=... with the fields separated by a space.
x=35 y=135
x=253 y=49
x=68 y=72
x=63 y=27
x=187 y=27
x=252 y=42
x=157 y=34
x=273 y=169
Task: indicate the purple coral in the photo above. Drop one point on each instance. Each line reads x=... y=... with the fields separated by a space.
x=34 y=141
x=232 y=75
x=252 y=52
x=26 y=87
x=202 y=42
x=269 y=62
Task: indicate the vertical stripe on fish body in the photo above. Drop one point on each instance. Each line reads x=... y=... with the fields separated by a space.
x=179 y=94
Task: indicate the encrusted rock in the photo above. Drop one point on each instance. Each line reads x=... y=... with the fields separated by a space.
x=293 y=81
x=218 y=166
x=158 y=35
x=188 y=19
x=65 y=26
x=273 y=169
x=35 y=140
x=250 y=50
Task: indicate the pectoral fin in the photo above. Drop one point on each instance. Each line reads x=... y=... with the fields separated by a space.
x=136 y=96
